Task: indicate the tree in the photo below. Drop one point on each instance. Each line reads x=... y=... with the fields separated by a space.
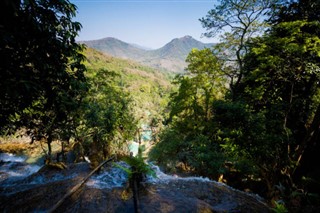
x=238 y=21
x=42 y=75
x=189 y=139
x=281 y=83
x=198 y=88
x=106 y=121
x=273 y=122
x=297 y=10
x=306 y=13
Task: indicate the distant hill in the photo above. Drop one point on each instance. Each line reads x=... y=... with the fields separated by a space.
x=170 y=57
x=116 y=48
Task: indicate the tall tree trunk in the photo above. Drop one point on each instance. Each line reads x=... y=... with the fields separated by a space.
x=309 y=150
x=49 y=141
x=135 y=189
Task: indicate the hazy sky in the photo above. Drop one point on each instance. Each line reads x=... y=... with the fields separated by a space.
x=149 y=23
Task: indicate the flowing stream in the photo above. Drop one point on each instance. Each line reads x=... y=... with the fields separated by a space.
x=14 y=168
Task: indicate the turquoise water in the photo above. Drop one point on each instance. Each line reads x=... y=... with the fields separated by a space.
x=134 y=147
x=146 y=135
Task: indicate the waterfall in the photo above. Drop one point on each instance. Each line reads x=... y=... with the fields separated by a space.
x=109 y=178
x=117 y=177
x=14 y=170
x=163 y=177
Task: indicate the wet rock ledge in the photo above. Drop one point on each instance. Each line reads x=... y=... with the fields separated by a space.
x=42 y=190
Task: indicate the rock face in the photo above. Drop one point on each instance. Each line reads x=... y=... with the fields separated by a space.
x=41 y=191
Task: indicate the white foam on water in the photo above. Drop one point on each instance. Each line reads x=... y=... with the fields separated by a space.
x=133 y=147
x=14 y=167
x=27 y=170
x=42 y=179
x=163 y=177
x=117 y=177
x=8 y=157
x=110 y=178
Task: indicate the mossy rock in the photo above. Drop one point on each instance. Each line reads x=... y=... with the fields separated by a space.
x=59 y=166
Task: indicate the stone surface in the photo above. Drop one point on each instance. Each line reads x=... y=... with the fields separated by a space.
x=42 y=190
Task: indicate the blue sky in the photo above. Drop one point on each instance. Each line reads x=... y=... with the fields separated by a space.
x=149 y=23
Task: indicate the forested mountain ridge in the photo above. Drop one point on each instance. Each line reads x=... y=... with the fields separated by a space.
x=170 y=57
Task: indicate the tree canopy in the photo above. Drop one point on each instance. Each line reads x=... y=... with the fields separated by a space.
x=41 y=62
x=45 y=89
x=42 y=72
x=236 y=22
x=264 y=127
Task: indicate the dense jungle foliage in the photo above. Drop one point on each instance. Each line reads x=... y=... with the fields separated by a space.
x=247 y=112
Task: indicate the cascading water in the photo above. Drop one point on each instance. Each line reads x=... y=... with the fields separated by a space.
x=13 y=167
x=162 y=177
x=7 y=157
x=117 y=177
x=14 y=170
x=110 y=178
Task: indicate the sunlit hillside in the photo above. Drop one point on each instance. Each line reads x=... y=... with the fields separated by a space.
x=149 y=88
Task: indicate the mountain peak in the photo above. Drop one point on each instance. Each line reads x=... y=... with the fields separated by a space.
x=187 y=37
x=187 y=43
x=171 y=56
x=184 y=38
